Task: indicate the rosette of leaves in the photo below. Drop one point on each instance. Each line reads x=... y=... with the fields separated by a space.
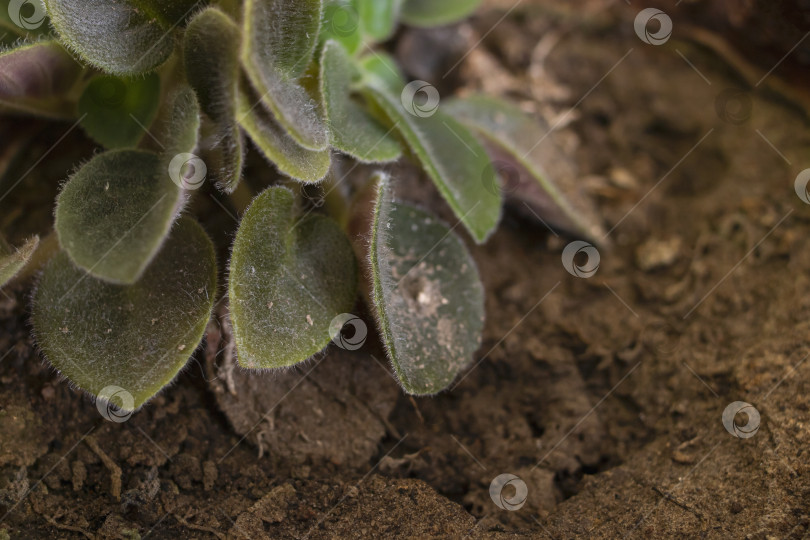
x=177 y=96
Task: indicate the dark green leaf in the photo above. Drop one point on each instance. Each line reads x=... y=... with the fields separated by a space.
x=353 y=130
x=12 y=261
x=118 y=37
x=430 y=13
x=449 y=153
x=427 y=294
x=514 y=140
x=279 y=40
x=38 y=78
x=115 y=212
x=135 y=337
x=115 y=110
x=212 y=68
x=290 y=276
x=277 y=146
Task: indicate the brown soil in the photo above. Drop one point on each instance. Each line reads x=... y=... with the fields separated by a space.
x=604 y=395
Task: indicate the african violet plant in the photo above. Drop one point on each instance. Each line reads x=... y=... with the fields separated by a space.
x=130 y=285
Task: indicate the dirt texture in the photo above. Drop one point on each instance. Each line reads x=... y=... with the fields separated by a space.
x=603 y=395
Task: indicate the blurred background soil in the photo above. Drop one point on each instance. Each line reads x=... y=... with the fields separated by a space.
x=604 y=395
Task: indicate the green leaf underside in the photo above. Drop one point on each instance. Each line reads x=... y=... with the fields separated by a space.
x=113 y=36
x=115 y=212
x=427 y=294
x=12 y=261
x=279 y=40
x=292 y=159
x=452 y=157
x=513 y=136
x=212 y=68
x=353 y=130
x=136 y=337
x=290 y=276
x=112 y=109
x=430 y=13
x=36 y=78
x=182 y=126
x=378 y=18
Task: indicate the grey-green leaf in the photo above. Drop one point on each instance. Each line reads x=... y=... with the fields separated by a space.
x=12 y=261
x=449 y=153
x=37 y=78
x=514 y=140
x=353 y=130
x=430 y=13
x=134 y=337
x=279 y=41
x=427 y=295
x=290 y=276
x=378 y=18
x=212 y=43
x=114 y=214
x=116 y=37
x=275 y=143
x=114 y=110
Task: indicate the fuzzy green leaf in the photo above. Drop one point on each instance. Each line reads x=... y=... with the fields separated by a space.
x=12 y=261
x=279 y=40
x=512 y=137
x=427 y=294
x=290 y=276
x=451 y=156
x=430 y=13
x=36 y=79
x=353 y=130
x=112 y=109
x=341 y=23
x=136 y=337
x=378 y=18
x=277 y=146
x=212 y=68
x=181 y=129
x=115 y=212
x=382 y=69
x=122 y=37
